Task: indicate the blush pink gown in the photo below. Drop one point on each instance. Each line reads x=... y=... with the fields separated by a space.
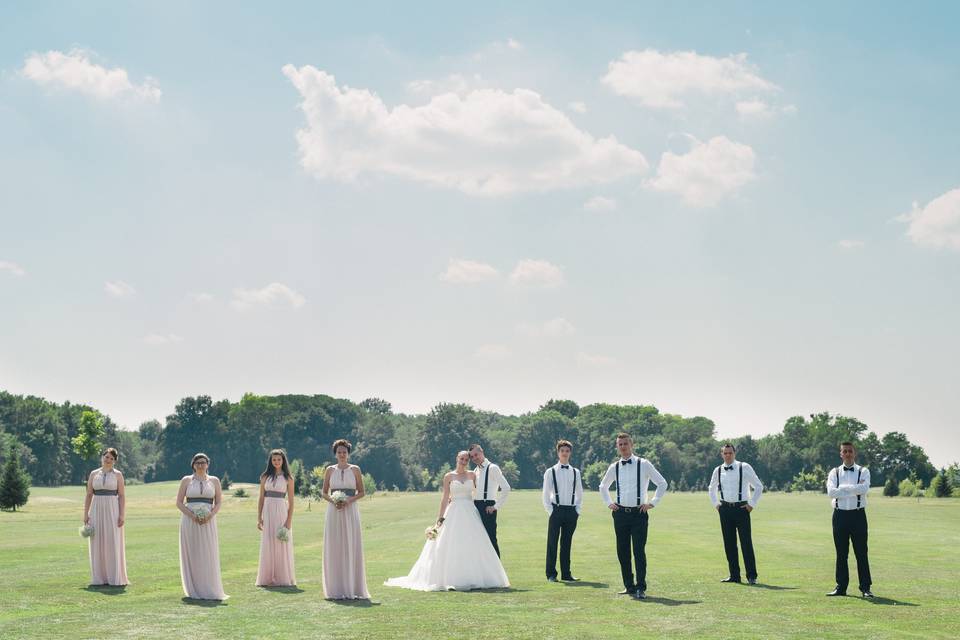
x=108 y=561
x=276 y=557
x=200 y=549
x=344 y=576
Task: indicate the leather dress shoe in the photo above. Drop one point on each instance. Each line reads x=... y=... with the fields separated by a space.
x=867 y=594
x=751 y=580
x=729 y=579
x=626 y=592
x=837 y=591
x=640 y=594
x=551 y=578
x=570 y=579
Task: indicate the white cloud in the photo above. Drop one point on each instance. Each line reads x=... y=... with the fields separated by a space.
x=600 y=203
x=74 y=71
x=937 y=224
x=453 y=83
x=536 y=273
x=579 y=107
x=663 y=80
x=591 y=360
x=851 y=244
x=756 y=110
x=118 y=288
x=707 y=173
x=468 y=272
x=485 y=143
x=158 y=339
x=201 y=297
x=556 y=328
x=246 y=298
x=13 y=268
x=492 y=352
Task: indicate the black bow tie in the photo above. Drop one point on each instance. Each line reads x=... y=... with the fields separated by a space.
x=728 y=468
x=630 y=461
x=564 y=466
x=848 y=468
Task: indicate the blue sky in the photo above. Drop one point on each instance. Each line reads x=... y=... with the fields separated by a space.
x=737 y=211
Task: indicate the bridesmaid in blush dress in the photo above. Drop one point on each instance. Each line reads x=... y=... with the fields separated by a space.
x=344 y=577
x=275 y=510
x=199 y=545
x=104 y=509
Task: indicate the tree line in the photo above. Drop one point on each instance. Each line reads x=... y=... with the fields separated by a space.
x=412 y=452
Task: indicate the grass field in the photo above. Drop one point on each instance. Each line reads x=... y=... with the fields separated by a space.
x=914 y=553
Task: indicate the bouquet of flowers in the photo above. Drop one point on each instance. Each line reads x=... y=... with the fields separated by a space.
x=86 y=530
x=202 y=511
x=283 y=534
x=338 y=497
x=433 y=530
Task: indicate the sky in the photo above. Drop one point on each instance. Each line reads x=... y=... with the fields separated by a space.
x=735 y=210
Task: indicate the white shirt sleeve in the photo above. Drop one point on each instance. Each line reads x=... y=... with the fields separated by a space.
x=834 y=490
x=657 y=479
x=608 y=479
x=712 y=487
x=579 y=499
x=863 y=487
x=501 y=482
x=547 y=493
x=753 y=480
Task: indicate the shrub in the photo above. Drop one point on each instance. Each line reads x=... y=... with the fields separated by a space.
x=225 y=481
x=369 y=484
x=891 y=488
x=240 y=493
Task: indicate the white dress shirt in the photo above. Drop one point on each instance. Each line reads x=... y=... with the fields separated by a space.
x=496 y=481
x=846 y=491
x=730 y=482
x=569 y=481
x=628 y=482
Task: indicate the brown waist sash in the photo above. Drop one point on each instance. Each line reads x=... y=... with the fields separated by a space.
x=275 y=494
x=105 y=492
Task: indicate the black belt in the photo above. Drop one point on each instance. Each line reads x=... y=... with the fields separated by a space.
x=205 y=500
x=565 y=506
x=857 y=509
x=732 y=504
x=487 y=502
x=105 y=492
x=628 y=509
x=275 y=494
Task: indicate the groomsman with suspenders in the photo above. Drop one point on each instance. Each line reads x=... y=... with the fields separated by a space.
x=847 y=486
x=630 y=511
x=733 y=480
x=562 y=498
x=489 y=480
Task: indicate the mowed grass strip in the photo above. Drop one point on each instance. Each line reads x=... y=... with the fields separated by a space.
x=914 y=552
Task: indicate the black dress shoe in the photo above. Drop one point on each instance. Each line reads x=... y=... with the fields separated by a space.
x=736 y=580
x=551 y=578
x=569 y=579
x=751 y=580
x=837 y=592
x=640 y=595
x=626 y=592
x=867 y=594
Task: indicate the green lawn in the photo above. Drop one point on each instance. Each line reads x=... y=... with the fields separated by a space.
x=914 y=556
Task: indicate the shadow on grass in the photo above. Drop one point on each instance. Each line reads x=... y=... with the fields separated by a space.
x=499 y=590
x=771 y=587
x=195 y=602
x=105 y=589
x=286 y=589
x=353 y=603
x=890 y=601
x=583 y=583
x=669 y=602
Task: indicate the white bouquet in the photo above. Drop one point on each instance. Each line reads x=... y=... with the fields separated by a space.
x=202 y=511
x=86 y=531
x=283 y=534
x=338 y=497
x=433 y=530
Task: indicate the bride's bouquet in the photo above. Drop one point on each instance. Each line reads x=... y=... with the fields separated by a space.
x=202 y=511
x=433 y=530
x=283 y=534
x=86 y=531
x=338 y=497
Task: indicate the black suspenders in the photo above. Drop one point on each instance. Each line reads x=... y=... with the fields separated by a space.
x=617 y=467
x=859 y=472
x=486 y=481
x=859 y=475
x=720 y=484
x=573 y=493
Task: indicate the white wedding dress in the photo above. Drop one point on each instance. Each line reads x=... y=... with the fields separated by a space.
x=461 y=558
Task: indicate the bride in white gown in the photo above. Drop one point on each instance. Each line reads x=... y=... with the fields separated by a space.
x=461 y=557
